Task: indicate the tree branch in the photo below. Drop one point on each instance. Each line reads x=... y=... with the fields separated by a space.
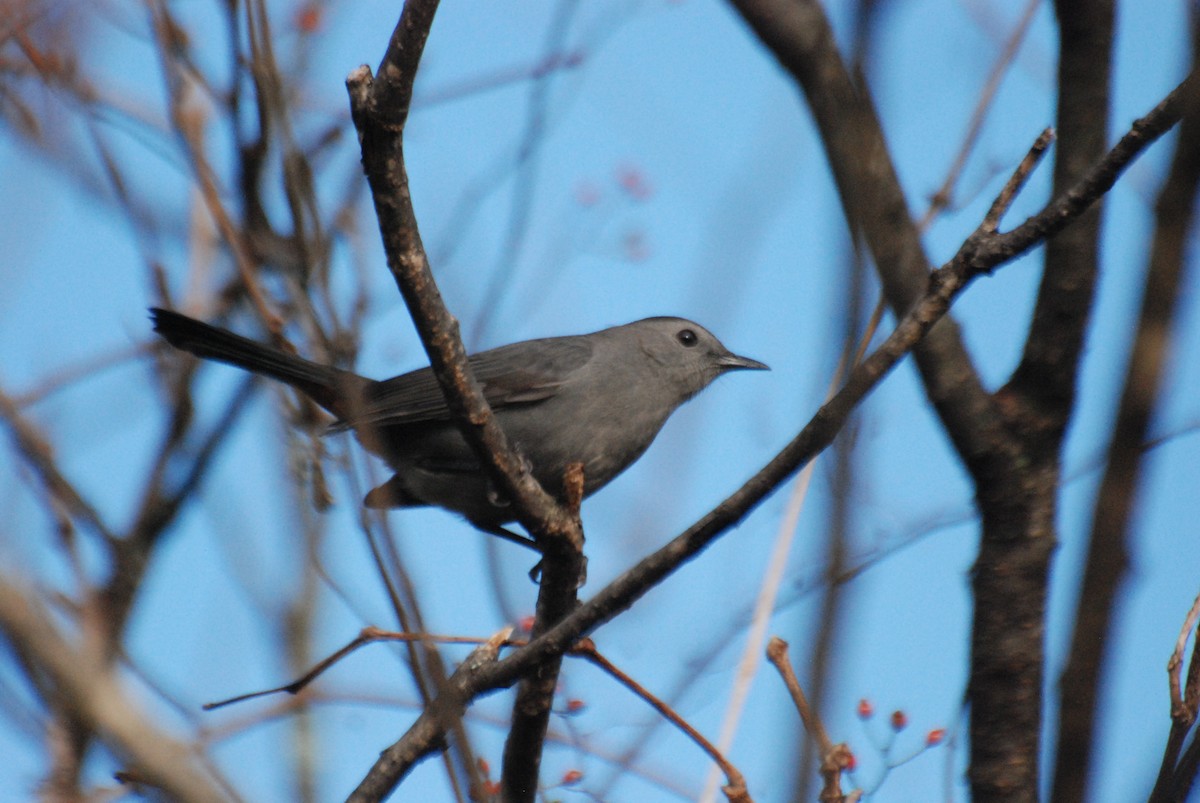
x=381 y=131
x=798 y=34
x=1015 y=471
x=427 y=734
x=982 y=253
x=85 y=679
x=1108 y=548
x=379 y=107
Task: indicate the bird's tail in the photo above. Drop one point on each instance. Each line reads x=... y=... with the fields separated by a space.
x=332 y=388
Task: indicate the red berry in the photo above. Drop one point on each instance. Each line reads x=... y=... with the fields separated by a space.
x=308 y=18
x=633 y=181
x=587 y=194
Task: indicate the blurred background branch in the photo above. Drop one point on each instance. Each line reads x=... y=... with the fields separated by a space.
x=174 y=534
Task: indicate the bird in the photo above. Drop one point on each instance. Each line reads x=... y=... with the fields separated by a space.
x=596 y=399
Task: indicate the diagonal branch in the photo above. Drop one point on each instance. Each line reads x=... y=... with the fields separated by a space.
x=379 y=115
x=38 y=452
x=86 y=680
x=982 y=253
x=798 y=34
x=427 y=734
x=1001 y=438
x=1108 y=539
x=379 y=106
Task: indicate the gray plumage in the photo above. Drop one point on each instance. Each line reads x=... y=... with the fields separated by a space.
x=598 y=399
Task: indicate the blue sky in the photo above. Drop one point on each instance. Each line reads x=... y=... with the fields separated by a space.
x=679 y=173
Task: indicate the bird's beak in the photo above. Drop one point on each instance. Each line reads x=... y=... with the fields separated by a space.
x=732 y=362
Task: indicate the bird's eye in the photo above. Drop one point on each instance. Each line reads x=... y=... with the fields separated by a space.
x=687 y=337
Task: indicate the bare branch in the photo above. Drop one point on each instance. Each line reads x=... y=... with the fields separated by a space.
x=735 y=786
x=38 y=453
x=800 y=37
x=1183 y=706
x=981 y=254
x=368 y=635
x=1008 y=443
x=944 y=195
x=427 y=733
x=835 y=758
x=379 y=107
x=85 y=679
x=1176 y=776
x=1108 y=547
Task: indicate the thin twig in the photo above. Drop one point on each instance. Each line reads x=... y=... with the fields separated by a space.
x=735 y=788
x=776 y=565
x=991 y=221
x=426 y=734
x=945 y=194
x=88 y=684
x=764 y=605
x=777 y=654
x=368 y=635
x=39 y=454
x=981 y=253
x=187 y=124
x=979 y=256
x=1182 y=708
x=835 y=758
x=1184 y=703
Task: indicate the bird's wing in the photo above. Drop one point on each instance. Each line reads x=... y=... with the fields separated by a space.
x=521 y=373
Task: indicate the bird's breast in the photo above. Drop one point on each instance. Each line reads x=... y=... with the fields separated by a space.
x=604 y=432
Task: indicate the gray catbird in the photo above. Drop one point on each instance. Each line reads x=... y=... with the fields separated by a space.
x=597 y=399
